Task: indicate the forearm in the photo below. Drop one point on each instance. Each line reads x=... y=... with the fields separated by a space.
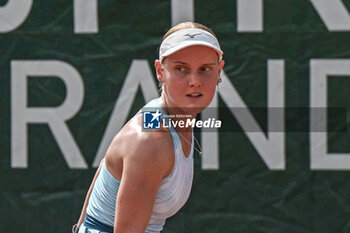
x=86 y=202
x=87 y=198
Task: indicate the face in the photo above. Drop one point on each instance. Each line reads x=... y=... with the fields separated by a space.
x=189 y=77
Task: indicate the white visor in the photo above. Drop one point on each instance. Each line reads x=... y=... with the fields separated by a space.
x=188 y=37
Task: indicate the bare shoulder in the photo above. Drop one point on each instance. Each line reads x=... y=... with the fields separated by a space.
x=151 y=149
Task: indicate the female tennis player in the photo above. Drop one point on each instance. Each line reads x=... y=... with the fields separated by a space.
x=146 y=175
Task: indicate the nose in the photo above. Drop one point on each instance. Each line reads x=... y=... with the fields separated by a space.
x=194 y=80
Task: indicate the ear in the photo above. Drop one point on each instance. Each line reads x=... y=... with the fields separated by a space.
x=221 y=66
x=159 y=70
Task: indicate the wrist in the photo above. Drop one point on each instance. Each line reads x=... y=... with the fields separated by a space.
x=75 y=228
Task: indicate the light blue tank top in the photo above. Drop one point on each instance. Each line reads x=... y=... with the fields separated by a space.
x=172 y=194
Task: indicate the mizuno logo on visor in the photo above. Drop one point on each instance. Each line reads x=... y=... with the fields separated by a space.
x=192 y=35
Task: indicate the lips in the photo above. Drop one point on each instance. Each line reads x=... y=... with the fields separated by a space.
x=194 y=95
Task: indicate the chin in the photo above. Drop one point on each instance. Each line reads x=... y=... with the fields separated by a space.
x=196 y=108
x=192 y=106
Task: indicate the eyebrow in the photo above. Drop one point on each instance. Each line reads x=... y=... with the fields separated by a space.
x=184 y=63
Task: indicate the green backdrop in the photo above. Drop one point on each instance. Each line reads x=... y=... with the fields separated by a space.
x=243 y=195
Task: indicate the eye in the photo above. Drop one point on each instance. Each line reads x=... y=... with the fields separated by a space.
x=180 y=68
x=205 y=68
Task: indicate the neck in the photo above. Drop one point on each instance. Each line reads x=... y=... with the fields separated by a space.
x=178 y=114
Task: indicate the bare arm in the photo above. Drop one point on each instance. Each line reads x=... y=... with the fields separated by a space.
x=86 y=202
x=145 y=164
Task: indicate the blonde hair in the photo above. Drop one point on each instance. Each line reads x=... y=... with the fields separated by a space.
x=186 y=25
